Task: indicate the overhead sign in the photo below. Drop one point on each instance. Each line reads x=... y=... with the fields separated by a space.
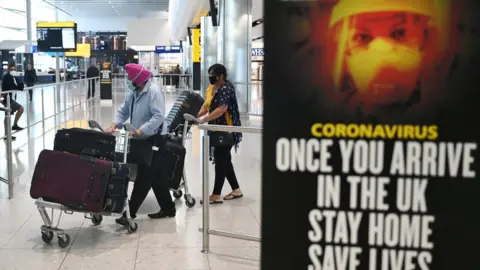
x=83 y=50
x=55 y=24
x=380 y=157
x=196 y=45
x=52 y=54
x=167 y=49
x=56 y=36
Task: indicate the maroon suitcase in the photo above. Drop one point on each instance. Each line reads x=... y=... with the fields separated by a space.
x=79 y=182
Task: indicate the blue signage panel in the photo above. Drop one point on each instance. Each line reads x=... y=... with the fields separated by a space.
x=257 y=52
x=167 y=49
x=52 y=54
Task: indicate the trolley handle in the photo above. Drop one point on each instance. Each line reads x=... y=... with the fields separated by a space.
x=95 y=125
x=190 y=118
x=129 y=127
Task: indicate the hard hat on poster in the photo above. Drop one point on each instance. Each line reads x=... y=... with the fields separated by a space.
x=346 y=8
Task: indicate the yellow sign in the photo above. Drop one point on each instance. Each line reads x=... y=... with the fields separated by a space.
x=75 y=123
x=196 y=46
x=55 y=24
x=83 y=50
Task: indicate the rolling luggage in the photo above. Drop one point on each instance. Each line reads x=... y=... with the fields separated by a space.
x=76 y=181
x=85 y=142
x=117 y=189
x=173 y=163
x=188 y=102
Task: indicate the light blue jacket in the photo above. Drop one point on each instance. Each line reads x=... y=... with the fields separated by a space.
x=148 y=111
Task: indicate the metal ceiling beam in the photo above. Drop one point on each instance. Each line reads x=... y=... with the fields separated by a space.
x=16 y=11
x=48 y=3
x=14 y=28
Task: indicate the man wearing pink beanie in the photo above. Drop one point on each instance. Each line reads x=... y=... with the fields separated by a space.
x=145 y=107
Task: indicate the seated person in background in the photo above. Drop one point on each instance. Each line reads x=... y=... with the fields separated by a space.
x=9 y=83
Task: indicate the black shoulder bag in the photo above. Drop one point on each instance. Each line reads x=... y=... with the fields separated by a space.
x=221 y=138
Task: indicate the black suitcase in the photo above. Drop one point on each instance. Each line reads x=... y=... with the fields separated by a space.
x=85 y=142
x=173 y=162
x=188 y=102
x=117 y=188
x=139 y=152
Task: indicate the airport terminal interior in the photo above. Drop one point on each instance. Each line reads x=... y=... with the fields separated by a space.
x=177 y=40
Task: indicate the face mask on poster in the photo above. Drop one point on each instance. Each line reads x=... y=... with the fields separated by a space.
x=385 y=70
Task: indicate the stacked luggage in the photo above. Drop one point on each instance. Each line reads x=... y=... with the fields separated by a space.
x=175 y=152
x=81 y=175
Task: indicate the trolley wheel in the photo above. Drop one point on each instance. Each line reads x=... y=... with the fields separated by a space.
x=47 y=237
x=132 y=227
x=97 y=219
x=64 y=241
x=177 y=194
x=189 y=201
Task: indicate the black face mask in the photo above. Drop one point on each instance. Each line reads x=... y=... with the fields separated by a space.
x=213 y=79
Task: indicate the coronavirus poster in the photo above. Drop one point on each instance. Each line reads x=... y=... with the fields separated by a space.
x=370 y=155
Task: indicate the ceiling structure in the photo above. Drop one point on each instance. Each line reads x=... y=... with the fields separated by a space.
x=95 y=8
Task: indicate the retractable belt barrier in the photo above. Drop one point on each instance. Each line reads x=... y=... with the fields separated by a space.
x=205 y=230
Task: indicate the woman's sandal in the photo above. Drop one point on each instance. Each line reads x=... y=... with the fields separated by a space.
x=213 y=201
x=232 y=196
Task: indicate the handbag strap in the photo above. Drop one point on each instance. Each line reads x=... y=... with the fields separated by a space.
x=131 y=108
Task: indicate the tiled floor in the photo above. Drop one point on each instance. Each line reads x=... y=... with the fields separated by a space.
x=158 y=244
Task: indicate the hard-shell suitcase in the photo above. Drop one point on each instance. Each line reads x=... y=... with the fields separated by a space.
x=117 y=189
x=173 y=163
x=77 y=181
x=188 y=102
x=85 y=142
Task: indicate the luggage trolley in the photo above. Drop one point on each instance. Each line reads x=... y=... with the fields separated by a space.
x=177 y=193
x=50 y=227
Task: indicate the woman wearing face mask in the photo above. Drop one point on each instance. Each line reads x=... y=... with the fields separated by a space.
x=222 y=108
x=145 y=106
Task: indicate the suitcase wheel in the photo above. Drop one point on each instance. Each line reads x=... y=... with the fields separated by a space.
x=97 y=219
x=177 y=194
x=190 y=202
x=47 y=237
x=64 y=241
x=132 y=227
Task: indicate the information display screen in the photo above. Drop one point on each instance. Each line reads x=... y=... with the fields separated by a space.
x=56 y=36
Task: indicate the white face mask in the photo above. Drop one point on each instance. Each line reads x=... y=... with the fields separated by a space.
x=385 y=73
x=129 y=83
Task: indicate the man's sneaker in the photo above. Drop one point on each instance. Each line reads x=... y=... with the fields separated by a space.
x=121 y=221
x=164 y=214
x=16 y=128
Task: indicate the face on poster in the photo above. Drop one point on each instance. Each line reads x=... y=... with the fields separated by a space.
x=369 y=129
